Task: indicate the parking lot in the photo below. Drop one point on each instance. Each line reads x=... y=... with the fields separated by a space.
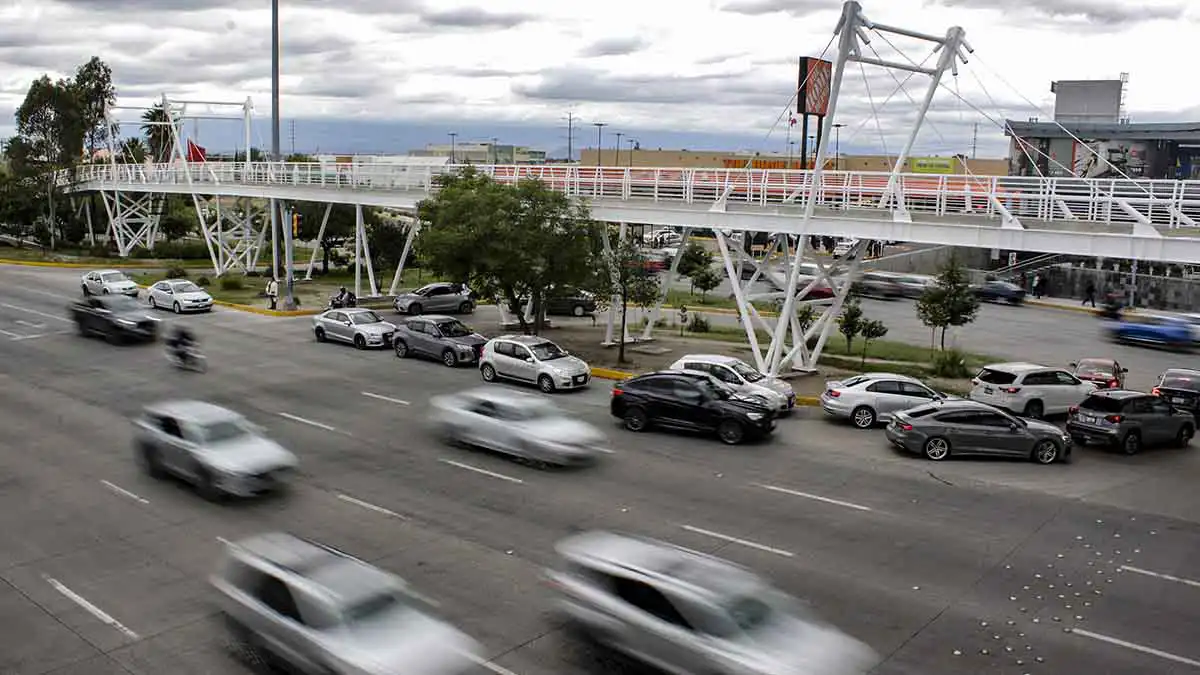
x=955 y=567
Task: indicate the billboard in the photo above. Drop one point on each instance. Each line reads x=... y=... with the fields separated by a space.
x=938 y=165
x=812 y=94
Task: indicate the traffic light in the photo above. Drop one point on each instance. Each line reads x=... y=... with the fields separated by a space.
x=295 y=225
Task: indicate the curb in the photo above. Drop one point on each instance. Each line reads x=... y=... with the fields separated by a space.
x=67 y=265
x=250 y=309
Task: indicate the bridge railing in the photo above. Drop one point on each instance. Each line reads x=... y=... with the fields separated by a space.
x=1114 y=201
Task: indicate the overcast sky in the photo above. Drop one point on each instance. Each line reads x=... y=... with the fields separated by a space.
x=721 y=70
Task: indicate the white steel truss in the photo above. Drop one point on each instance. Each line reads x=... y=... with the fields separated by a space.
x=133 y=219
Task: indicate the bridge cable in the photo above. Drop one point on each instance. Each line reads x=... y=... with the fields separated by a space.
x=854 y=134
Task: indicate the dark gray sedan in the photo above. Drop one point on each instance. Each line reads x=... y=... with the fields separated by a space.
x=943 y=428
x=444 y=338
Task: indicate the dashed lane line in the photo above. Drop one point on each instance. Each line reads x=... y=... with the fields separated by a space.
x=381 y=397
x=88 y=607
x=303 y=420
x=1135 y=647
x=742 y=542
x=484 y=472
x=370 y=507
x=1160 y=575
x=123 y=492
x=817 y=498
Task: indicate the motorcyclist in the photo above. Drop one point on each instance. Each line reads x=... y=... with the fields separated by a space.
x=344 y=298
x=181 y=343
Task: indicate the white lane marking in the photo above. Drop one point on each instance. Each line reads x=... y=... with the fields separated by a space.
x=123 y=492
x=296 y=418
x=735 y=540
x=1135 y=647
x=495 y=668
x=1160 y=575
x=819 y=498
x=28 y=324
x=34 y=311
x=56 y=296
x=370 y=507
x=90 y=608
x=15 y=336
x=223 y=541
x=485 y=472
x=381 y=397
x=28 y=337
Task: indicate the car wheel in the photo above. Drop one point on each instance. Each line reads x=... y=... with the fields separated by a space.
x=414 y=308
x=105 y=291
x=360 y=342
x=636 y=420
x=206 y=486
x=578 y=310
x=1035 y=410
x=86 y=292
x=465 y=308
x=153 y=304
x=546 y=384
x=1046 y=452
x=937 y=449
x=448 y=359
x=176 y=308
x=153 y=465
x=401 y=348
x=1184 y=437
x=487 y=372
x=863 y=417
x=730 y=432
x=1132 y=443
x=320 y=333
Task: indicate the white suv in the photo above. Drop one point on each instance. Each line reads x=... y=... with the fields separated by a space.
x=1029 y=389
x=534 y=360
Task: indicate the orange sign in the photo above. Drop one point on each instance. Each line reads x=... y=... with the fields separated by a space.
x=816 y=79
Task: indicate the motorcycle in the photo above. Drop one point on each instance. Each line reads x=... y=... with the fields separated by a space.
x=335 y=303
x=191 y=359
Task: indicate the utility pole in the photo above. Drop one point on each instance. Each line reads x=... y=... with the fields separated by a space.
x=453 y=135
x=617 y=159
x=570 y=136
x=293 y=136
x=274 y=205
x=975 y=140
x=599 y=141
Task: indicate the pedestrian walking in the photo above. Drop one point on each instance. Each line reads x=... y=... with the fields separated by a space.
x=273 y=292
x=1037 y=286
x=1089 y=294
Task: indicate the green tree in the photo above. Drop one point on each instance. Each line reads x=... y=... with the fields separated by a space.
x=871 y=329
x=625 y=274
x=338 y=229
x=850 y=323
x=298 y=158
x=94 y=88
x=178 y=219
x=386 y=237
x=706 y=279
x=19 y=205
x=949 y=302
x=256 y=155
x=157 y=128
x=693 y=259
x=133 y=151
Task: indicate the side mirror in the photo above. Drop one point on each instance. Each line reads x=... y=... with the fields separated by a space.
x=1014 y=427
x=1124 y=370
x=348 y=323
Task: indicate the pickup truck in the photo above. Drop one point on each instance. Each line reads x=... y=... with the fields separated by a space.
x=116 y=318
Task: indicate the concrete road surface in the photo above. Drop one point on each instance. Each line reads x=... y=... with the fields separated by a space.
x=950 y=568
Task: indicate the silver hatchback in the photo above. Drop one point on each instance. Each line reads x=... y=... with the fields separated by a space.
x=534 y=360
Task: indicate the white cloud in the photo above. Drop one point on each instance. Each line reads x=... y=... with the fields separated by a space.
x=718 y=66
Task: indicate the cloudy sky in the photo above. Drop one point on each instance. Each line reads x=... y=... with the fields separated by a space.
x=392 y=74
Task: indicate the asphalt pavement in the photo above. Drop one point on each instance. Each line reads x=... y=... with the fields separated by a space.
x=957 y=567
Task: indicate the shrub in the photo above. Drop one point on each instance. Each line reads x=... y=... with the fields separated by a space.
x=232 y=284
x=204 y=281
x=698 y=324
x=177 y=273
x=254 y=273
x=950 y=363
x=99 y=251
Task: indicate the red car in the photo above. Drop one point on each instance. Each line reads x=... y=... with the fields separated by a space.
x=1106 y=373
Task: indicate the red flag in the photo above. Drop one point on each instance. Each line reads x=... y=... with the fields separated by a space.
x=792 y=121
x=195 y=153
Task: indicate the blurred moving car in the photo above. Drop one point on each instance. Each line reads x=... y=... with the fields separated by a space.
x=943 y=428
x=108 y=282
x=362 y=328
x=313 y=609
x=562 y=302
x=999 y=291
x=1160 y=331
x=116 y=318
x=869 y=399
x=690 y=401
x=523 y=425
x=1130 y=420
x=915 y=285
x=741 y=376
x=440 y=337
x=179 y=295
x=685 y=612
x=436 y=297
x=1029 y=389
x=215 y=449
x=534 y=360
x=882 y=285
x=1106 y=373
x=1181 y=388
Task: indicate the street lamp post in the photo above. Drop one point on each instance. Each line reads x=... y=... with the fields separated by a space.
x=632 y=144
x=617 y=158
x=495 y=151
x=453 y=135
x=837 y=146
x=599 y=141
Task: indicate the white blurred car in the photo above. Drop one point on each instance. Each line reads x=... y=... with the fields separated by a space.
x=742 y=377
x=527 y=426
x=108 y=282
x=179 y=295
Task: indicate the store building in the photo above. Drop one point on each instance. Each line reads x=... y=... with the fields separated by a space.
x=669 y=159
x=482 y=153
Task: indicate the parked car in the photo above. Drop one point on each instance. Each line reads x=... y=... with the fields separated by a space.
x=843 y=246
x=440 y=337
x=1160 y=331
x=999 y=291
x=213 y=448
x=880 y=285
x=682 y=611
x=741 y=376
x=116 y=318
x=311 y=608
x=1130 y=420
x=564 y=302
x=1029 y=389
x=535 y=360
x=1106 y=373
x=108 y=282
x=436 y=297
x=869 y=399
x=179 y=295
x=1181 y=388
x=526 y=426
x=943 y=428
x=362 y=328
x=690 y=401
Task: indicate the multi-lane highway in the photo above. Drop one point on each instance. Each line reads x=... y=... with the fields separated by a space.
x=959 y=567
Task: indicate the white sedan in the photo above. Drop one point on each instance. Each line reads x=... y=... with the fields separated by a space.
x=179 y=295
x=106 y=282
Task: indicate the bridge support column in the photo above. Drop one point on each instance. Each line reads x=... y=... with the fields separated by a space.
x=229 y=232
x=614 y=302
x=133 y=218
x=414 y=229
x=656 y=313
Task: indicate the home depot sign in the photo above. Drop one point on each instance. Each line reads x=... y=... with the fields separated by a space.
x=762 y=164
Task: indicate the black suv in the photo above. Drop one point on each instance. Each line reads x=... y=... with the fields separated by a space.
x=690 y=402
x=1181 y=388
x=1129 y=420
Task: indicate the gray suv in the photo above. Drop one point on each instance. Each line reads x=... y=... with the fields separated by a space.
x=441 y=337
x=1128 y=420
x=436 y=297
x=305 y=607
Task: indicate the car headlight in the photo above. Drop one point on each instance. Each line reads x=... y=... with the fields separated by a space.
x=126 y=322
x=754 y=417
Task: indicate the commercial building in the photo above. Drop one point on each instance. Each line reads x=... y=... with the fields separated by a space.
x=1090 y=137
x=699 y=159
x=482 y=153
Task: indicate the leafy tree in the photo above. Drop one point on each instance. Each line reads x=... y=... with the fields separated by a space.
x=256 y=155
x=706 y=279
x=850 y=323
x=950 y=302
x=806 y=316
x=94 y=89
x=625 y=274
x=133 y=151
x=178 y=219
x=386 y=237
x=298 y=158
x=156 y=126
x=693 y=259
x=19 y=205
x=871 y=329
x=338 y=230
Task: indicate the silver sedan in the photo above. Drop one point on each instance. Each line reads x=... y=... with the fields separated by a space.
x=867 y=400
x=526 y=426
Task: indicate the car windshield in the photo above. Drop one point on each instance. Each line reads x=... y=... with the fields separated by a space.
x=224 y=431
x=453 y=329
x=121 y=303
x=362 y=318
x=714 y=388
x=1188 y=381
x=426 y=290
x=113 y=277
x=186 y=287
x=1095 y=368
x=547 y=351
x=747 y=372
x=1104 y=404
x=373 y=607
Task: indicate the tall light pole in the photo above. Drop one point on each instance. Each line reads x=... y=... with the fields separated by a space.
x=274 y=81
x=632 y=144
x=495 y=151
x=453 y=135
x=599 y=141
x=617 y=159
x=837 y=146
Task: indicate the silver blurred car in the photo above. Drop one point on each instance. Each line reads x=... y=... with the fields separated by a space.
x=313 y=609
x=960 y=427
x=686 y=612
x=362 y=328
x=215 y=449
x=441 y=297
x=742 y=377
x=523 y=425
x=867 y=400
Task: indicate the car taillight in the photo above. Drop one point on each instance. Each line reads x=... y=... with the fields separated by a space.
x=1072 y=410
x=1115 y=419
x=1113 y=384
x=905 y=427
x=1155 y=391
x=1010 y=390
x=834 y=393
x=617 y=391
